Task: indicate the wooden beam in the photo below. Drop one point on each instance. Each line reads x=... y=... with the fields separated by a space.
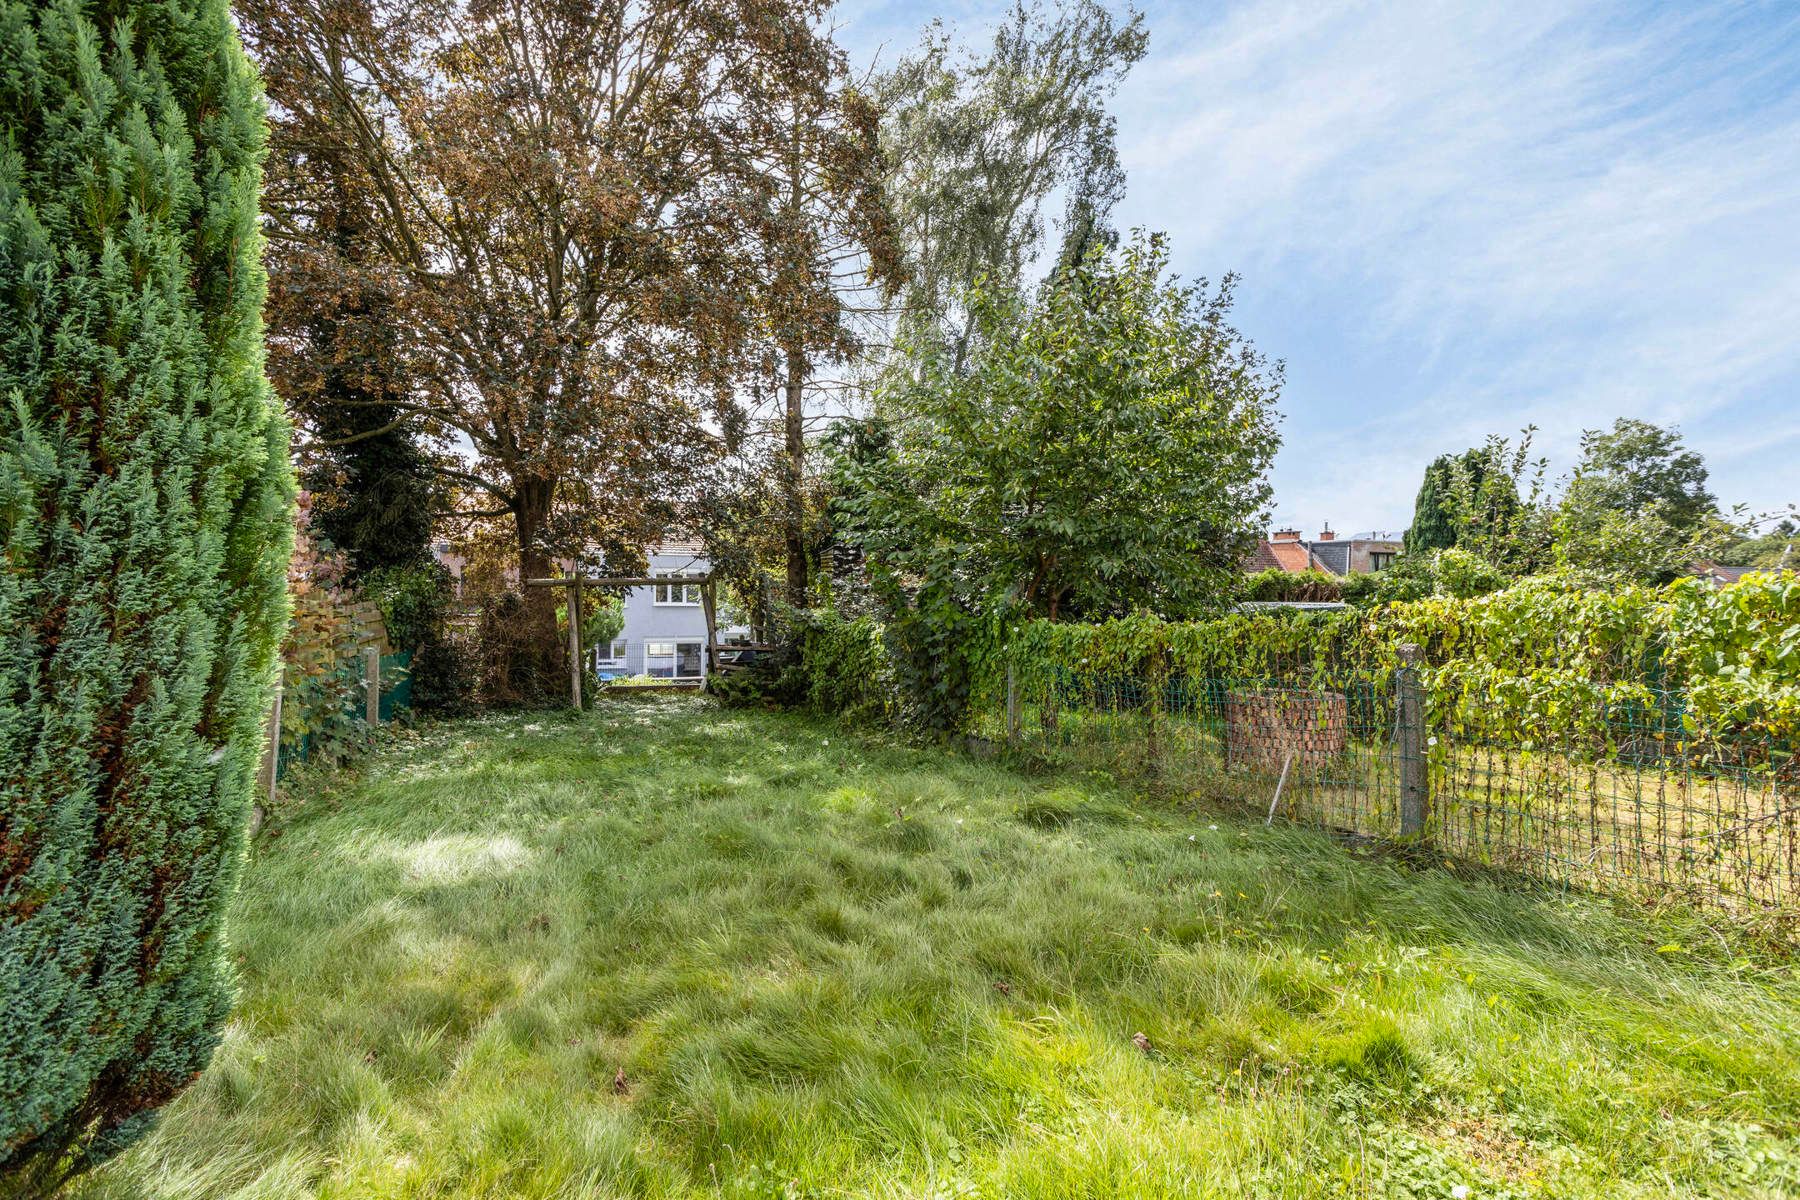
x=612 y=581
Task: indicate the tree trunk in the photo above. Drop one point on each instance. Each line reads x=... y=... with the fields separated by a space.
x=793 y=472
x=540 y=646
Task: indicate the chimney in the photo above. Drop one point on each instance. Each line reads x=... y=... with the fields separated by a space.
x=1325 y=534
x=1286 y=535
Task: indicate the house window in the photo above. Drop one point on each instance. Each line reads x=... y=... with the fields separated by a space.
x=615 y=652
x=1380 y=560
x=685 y=594
x=672 y=660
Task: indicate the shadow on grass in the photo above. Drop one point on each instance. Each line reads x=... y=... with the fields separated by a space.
x=667 y=949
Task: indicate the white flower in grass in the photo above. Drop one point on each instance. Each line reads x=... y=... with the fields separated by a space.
x=1431 y=741
x=1190 y=837
x=1460 y=1192
x=1213 y=827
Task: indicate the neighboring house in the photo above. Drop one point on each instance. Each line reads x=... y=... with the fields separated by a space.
x=1363 y=553
x=453 y=562
x=1286 y=550
x=664 y=635
x=1720 y=577
x=1291 y=553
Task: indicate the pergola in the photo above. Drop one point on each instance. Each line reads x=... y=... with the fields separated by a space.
x=574 y=584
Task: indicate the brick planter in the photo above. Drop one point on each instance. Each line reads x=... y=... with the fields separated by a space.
x=1262 y=728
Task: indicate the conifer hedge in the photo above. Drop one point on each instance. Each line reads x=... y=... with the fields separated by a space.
x=145 y=522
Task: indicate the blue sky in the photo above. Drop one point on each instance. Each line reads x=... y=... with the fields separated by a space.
x=1460 y=218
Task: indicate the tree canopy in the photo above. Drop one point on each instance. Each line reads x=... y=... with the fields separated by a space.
x=976 y=146
x=563 y=203
x=1637 y=505
x=1106 y=449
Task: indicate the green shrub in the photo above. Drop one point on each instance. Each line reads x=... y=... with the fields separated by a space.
x=413 y=601
x=415 y=607
x=145 y=524
x=321 y=669
x=1457 y=573
x=1360 y=590
x=830 y=665
x=445 y=675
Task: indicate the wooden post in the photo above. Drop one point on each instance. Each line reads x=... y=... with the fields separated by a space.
x=372 y=684
x=1415 y=768
x=271 y=763
x=1012 y=704
x=707 y=599
x=575 y=643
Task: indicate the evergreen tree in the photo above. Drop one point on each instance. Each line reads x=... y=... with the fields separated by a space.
x=337 y=357
x=1472 y=495
x=372 y=478
x=145 y=523
x=1433 y=525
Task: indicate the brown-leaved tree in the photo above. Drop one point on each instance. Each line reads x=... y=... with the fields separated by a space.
x=565 y=203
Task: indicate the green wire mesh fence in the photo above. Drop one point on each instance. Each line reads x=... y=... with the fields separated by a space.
x=1618 y=797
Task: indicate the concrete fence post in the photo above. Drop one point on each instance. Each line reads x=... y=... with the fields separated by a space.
x=271 y=767
x=1409 y=725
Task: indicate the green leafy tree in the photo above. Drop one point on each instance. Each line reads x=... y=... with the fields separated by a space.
x=1775 y=549
x=1107 y=450
x=1488 y=501
x=146 y=520
x=1637 y=506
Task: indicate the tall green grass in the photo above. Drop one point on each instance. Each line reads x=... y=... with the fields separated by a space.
x=665 y=949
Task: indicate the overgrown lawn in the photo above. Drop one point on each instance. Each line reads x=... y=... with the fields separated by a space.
x=670 y=950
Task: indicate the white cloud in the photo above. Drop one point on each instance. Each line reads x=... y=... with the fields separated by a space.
x=1531 y=213
x=1458 y=218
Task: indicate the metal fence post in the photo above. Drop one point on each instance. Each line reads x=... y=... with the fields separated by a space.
x=372 y=684
x=1415 y=774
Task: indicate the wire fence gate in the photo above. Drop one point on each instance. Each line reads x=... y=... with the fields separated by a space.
x=1620 y=798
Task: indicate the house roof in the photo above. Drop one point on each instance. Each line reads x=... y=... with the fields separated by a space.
x=677 y=545
x=1334 y=556
x=1261 y=558
x=1721 y=576
x=1292 y=557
